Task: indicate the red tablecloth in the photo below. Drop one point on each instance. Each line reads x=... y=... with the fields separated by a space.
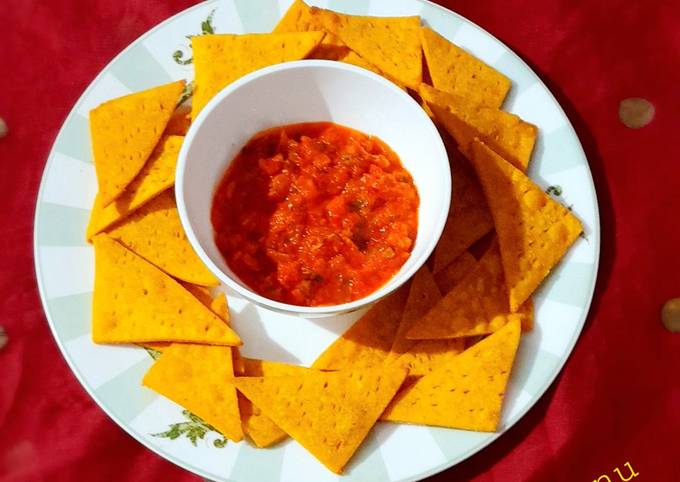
x=618 y=397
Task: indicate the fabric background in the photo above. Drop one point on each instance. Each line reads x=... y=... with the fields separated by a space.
x=617 y=398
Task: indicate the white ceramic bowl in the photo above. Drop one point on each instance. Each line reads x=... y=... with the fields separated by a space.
x=310 y=91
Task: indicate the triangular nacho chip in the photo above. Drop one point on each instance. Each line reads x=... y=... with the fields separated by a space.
x=476 y=306
x=330 y=48
x=505 y=133
x=218 y=305
x=368 y=341
x=355 y=59
x=256 y=425
x=469 y=217
x=423 y=295
x=466 y=393
x=135 y=302
x=221 y=59
x=156 y=234
x=392 y=44
x=179 y=123
x=328 y=413
x=534 y=231
x=454 y=70
x=428 y=355
x=454 y=272
x=124 y=132
x=298 y=18
x=197 y=378
x=156 y=176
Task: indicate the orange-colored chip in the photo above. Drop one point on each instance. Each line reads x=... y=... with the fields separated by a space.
x=221 y=59
x=256 y=425
x=454 y=70
x=466 y=393
x=505 y=133
x=156 y=234
x=423 y=295
x=124 y=132
x=328 y=413
x=476 y=306
x=368 y=341
x=197 y=377
x=454 y=272
x=469 y=218
x=391 y=44
x=534 y=231
x=157 y=176
x=135 y=302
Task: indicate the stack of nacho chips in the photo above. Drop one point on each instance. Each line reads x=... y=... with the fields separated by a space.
x=438 y=351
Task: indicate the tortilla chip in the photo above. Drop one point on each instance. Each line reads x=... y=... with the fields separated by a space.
x=423 y=295
x=155 y=233
x=328 y=413
x=466 y=393
x=534 y=231
x=450 y=276
x=330 y=48
x=368 y=341
x=256 y=425
x=196 y=377
x=298 y=18
x=476 y=306
x=454 y=70
x=135 y=302
x=505 y=133
x=157 y=175
x=355 y=59
x=179 y=122
x=392 y=44
x=218 y=305
x=428 y=355
x=201 y=293
x=469 y=217
x=124 y=132
x=221 y=59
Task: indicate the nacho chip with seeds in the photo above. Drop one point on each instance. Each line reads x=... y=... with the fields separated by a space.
x=156 y=234
x=221 y=59
x=328 y=413
x=454 y=70
x=534 y=231
x=428 y=355
x=195 y=377
x=218 y=305
x=124 y=132
x=392 y=44
x=454 y=272
x=368 y=341
x=156 y=176
x=466 y=393
x=330 y=48
x=179 y=122
x=256 y=425
x=135 y=302
x=505 y=133
x=423 y=295
x=298 y=18
x=476 y=306
x=469 y=218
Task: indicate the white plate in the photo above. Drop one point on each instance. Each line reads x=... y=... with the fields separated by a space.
x=112 y=375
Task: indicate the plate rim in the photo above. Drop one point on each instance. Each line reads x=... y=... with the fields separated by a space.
x=595 y=237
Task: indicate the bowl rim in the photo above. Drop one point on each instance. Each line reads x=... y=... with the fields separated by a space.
x=393 y=283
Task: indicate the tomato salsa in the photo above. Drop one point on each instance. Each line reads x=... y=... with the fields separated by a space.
x=315 y=214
